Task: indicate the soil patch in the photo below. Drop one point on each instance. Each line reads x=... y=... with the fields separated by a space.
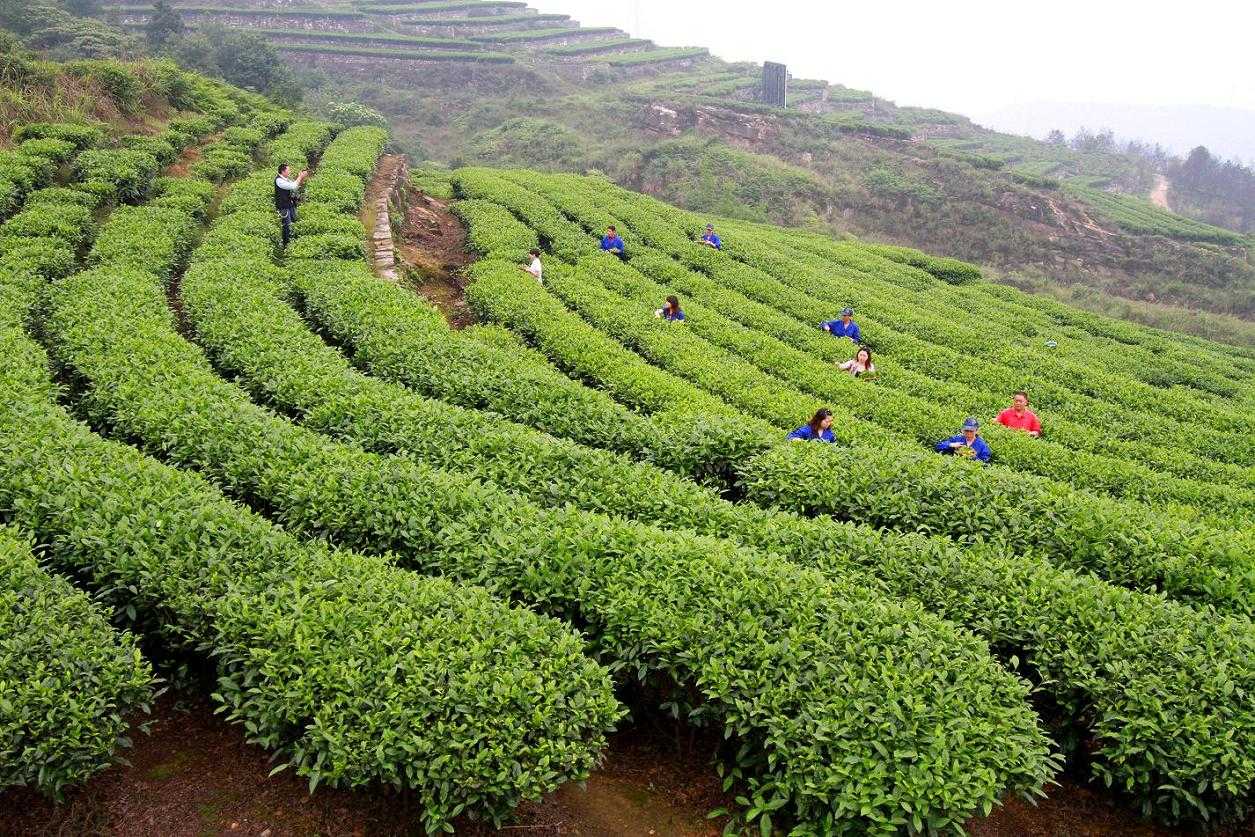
x=181 y=166
x=195 y=775
x=431 y=249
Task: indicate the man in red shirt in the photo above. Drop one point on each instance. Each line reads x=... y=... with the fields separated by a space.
x=1019 y=417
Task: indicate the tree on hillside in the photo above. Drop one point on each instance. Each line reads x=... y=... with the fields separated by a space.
x=165 y=23
x=82 y=8
x=244 y=59
x=1056 y=137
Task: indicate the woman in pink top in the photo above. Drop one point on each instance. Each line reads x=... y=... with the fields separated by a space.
x=861 y=364
x=1019 y=417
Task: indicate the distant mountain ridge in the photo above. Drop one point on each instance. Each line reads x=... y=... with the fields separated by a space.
x=1227 y=132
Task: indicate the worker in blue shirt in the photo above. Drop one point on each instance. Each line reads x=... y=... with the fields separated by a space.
x=844 y=327
x=967 y=444
x=671 y=311
x=710 y=239
x=611 y=243
x=818 y=429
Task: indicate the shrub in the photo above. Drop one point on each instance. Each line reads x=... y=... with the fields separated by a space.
x=61 y=196
x=70 y=223
x=56 y=150
x=163 y=151
x=117 y=79
x=82 y=136
x=68 y=679
x=123 y=174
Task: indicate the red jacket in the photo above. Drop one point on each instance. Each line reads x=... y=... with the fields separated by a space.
x=1028 y=421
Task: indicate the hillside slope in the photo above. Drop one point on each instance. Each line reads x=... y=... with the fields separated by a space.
x=498 y=82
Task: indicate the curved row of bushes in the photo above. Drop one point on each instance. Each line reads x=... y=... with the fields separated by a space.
x=573 y=197
x=476 y=705
x=889 y=409
x=1066 y=628
x=32 y=165
x=68 y=680
x=668 y=608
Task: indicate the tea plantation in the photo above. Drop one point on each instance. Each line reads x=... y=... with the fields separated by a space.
x=434 y=560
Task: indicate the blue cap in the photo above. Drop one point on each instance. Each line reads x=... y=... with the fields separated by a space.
x=849 y=312
x=710 y=226
x=971 y=424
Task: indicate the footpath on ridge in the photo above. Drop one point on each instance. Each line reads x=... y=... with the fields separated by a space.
x=415 y=237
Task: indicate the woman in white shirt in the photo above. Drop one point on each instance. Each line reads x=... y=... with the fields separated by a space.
x=860 y=364
x=536 y=269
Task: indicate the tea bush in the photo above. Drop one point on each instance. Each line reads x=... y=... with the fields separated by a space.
x=68 y=681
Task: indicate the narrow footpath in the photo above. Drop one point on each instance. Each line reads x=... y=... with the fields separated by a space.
x=417 y=240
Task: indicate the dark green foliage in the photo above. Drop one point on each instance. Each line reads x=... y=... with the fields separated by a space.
x=122 y=174
x=68 y=681
x=164 y=23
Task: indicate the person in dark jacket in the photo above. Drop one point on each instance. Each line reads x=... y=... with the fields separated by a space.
x=967 y=444
x=285 y=198
x=844 y=327
x=670 y=310
x=818 y=429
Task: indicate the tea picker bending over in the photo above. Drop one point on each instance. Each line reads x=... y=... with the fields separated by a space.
x=710 y=239
x=670 y=311
x=611 y=243
x=844 y=327
x=967 y=443
x=818 y=429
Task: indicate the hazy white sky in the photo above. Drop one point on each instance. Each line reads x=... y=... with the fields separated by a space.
x=969 y=56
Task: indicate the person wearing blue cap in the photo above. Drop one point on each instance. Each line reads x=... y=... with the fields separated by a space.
x=818 y=429
x=710 y=239
x=844 y=327
x=967 y=444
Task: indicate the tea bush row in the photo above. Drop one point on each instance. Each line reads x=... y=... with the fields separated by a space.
x=68 y=680
x=626 y=582
x=1062 y=625
x=542 y=721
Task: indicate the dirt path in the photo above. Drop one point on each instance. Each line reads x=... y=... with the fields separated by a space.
x=195 y=775
x=428 y=251
x=1159 y=195
x=432 y=248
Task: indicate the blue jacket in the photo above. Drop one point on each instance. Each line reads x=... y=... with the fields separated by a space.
x=673 y=318
x=839 y=329
x=978 y=445
x=612 y=243
x=807 y=435
x=713 y=239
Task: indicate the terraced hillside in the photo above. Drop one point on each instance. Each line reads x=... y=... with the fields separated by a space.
x=447 y=563
x=505 y=83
